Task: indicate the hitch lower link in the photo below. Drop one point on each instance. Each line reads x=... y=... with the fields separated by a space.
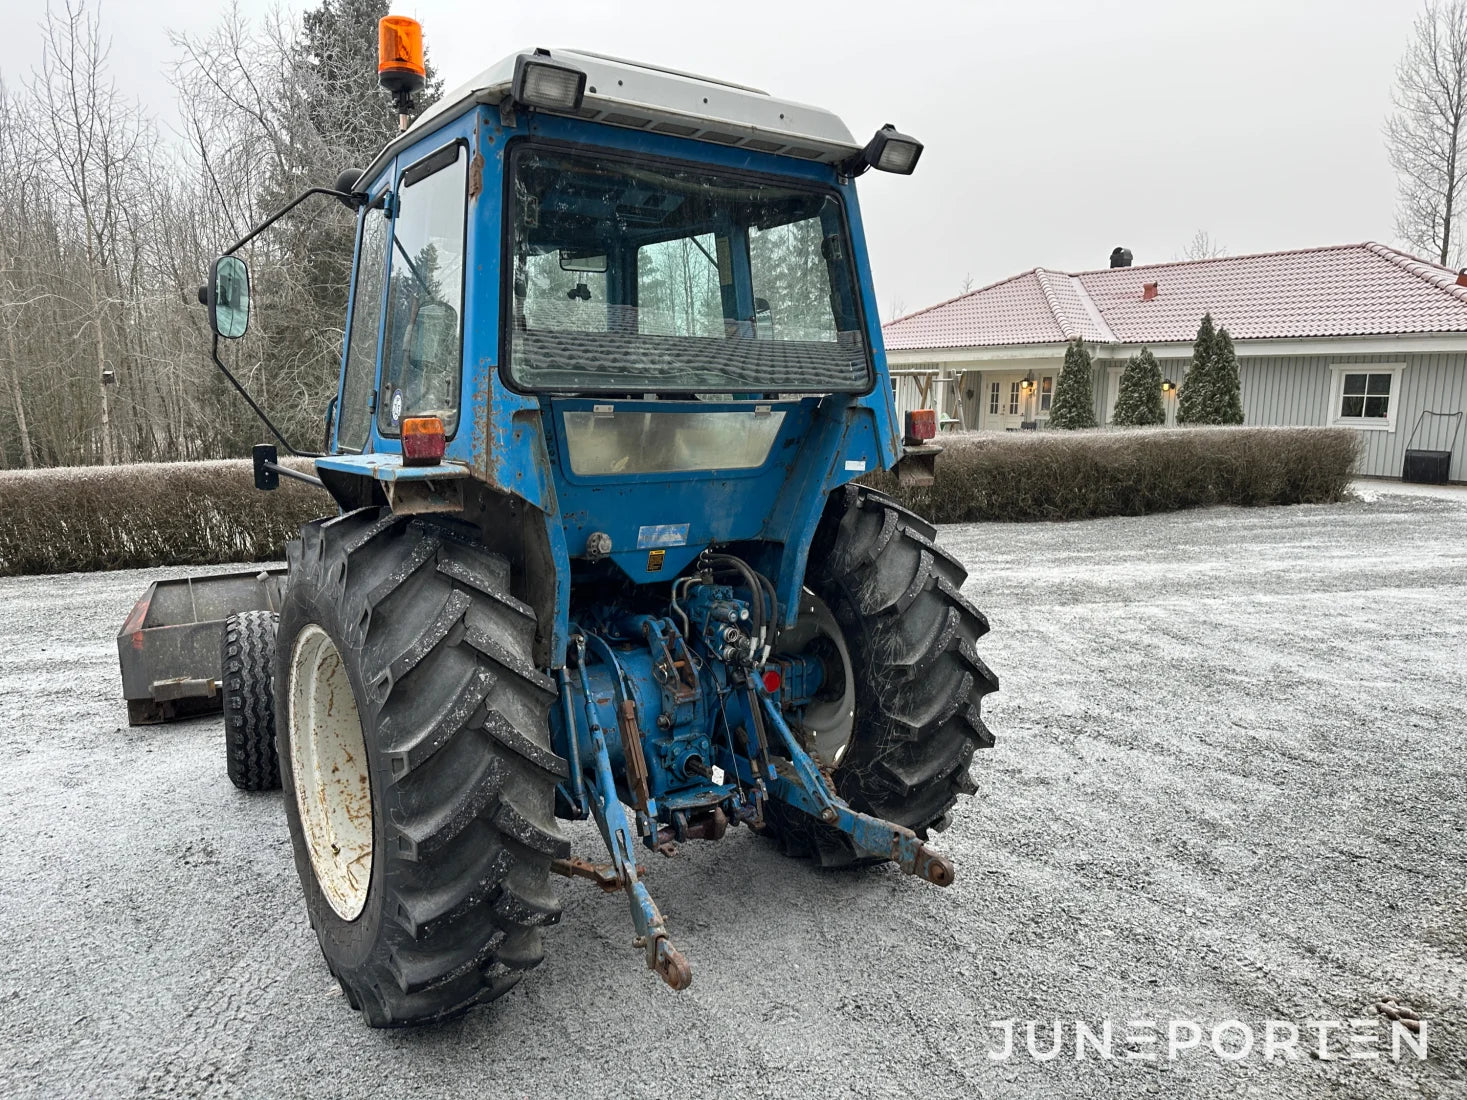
x=803 y=786
x=662 y=957
x=798 y=783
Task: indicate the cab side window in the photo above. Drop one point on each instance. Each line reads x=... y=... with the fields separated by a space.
x=423 y=351
x=355 y=416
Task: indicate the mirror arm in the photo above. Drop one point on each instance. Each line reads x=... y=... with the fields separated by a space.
x=354 y=199
x=214 y=354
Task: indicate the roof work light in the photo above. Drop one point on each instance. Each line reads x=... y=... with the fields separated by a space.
x=889 y=151
x=540 y=81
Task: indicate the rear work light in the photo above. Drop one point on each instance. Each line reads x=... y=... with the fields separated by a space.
x=890 y=151
x=422 y=441
x=540 y=81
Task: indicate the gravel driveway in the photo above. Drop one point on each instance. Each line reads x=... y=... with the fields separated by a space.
x=1229 y=784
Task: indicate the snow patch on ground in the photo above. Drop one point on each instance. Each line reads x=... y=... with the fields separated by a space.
x=1228 y=784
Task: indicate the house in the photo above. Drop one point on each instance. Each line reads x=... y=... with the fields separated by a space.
x=1359 y=336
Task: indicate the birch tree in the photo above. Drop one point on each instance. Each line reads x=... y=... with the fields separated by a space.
x=1425 y=134
x=17 y=183
x=88 y=137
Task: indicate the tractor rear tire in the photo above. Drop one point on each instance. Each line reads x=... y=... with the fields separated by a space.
x=419 y=779
x=919 y=682
x=246 y=664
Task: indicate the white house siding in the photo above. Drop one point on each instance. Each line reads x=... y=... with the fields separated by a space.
x=906 y=388
x=1299 y=390
x=945 y=397
x=1293 y=390
x=966 y=398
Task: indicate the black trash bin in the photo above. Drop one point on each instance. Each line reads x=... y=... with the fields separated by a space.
x=1430 y=467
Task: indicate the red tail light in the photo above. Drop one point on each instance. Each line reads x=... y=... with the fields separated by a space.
x=921 y=425
x=422 y=441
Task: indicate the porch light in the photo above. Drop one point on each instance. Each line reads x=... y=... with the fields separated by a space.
x=542 y=82
x=1027 y=385
x=1167 y=386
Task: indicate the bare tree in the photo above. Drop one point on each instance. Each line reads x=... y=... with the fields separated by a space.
x=17 y=178
x=89 y=137
x=108 y=224
x=967 y=282
x=1425 y=133
x=1203 y=247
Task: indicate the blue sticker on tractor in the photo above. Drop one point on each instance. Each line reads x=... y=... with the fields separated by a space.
x=663 y=534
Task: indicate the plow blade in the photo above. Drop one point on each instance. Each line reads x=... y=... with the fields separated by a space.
x=168 y=648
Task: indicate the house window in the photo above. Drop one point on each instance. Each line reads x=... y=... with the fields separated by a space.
x=1046 y=392
x=1365 y=396
x=1013 y=399
x=993 y=399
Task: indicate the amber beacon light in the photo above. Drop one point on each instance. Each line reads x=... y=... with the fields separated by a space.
x=400 y=67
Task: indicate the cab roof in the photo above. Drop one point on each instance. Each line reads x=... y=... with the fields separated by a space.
x=663 y=101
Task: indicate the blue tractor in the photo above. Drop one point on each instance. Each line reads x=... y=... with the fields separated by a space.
x=612 y=375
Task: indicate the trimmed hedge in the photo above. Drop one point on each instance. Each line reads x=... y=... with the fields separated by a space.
x=83 y=518
x=203 y=513
x=1082 y=475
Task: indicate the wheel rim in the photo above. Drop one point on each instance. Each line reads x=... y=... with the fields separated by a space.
x=831 y=717
x=328 y=761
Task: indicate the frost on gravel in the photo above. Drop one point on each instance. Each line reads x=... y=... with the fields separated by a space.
x=1228 y=785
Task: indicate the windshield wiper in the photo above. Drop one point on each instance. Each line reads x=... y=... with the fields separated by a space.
x=705 y=252
x=422 y=282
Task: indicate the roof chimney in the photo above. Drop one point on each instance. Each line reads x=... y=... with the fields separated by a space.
x=1462 y=277
x=1120 y=257
x=1148 y=291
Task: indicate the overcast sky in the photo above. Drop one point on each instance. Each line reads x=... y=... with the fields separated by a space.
x=1055 y=129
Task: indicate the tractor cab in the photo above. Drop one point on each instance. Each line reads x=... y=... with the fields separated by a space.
x=611 y=377
x=654 y=292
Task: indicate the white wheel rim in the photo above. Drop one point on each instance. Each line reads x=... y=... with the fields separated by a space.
x=830 y=722
x=328 y=761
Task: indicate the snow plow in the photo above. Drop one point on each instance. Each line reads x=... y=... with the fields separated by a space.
x=612 y=371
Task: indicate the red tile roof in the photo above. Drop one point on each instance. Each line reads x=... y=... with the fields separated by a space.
x=1343 y=290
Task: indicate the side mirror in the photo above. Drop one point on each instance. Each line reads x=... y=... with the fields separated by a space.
x=228 y=296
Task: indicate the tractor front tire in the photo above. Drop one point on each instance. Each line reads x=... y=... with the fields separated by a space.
x=919 y=682
x=419 y=781
x=246 y=664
